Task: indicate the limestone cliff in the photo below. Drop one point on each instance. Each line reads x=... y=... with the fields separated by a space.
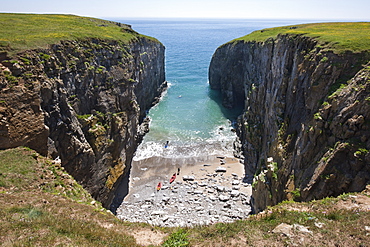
x=82 y=100
x=305 y=127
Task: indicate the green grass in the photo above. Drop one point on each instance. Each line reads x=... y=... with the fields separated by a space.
x=17 y=168
x=34 y=212
x=20 y=32
x=341 y=227
x=338 y=36
x=177 y=239
x=41 y=205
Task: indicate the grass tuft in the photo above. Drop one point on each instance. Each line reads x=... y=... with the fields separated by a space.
x=177 y=239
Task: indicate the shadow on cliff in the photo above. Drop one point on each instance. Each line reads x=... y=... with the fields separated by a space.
x=231 y=114
x=121 y=193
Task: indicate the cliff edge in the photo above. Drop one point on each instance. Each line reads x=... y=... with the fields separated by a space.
x=305 y=126
x=78 y=93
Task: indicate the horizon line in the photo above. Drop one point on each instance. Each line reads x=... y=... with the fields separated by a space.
x=200 y=18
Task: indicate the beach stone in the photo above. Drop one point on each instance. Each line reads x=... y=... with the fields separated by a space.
x=235 y=193
x=188 y=178
x=224 y=198
x=159 y=212
x=220 y=169
x=197 y=192
x=235 y=182
x=220 y=188
x=212 y=212
x=166 y=198
x=213 y=198
x=236 y=187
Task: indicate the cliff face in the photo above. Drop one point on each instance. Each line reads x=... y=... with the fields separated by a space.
x=83 y=101
x=305 y=126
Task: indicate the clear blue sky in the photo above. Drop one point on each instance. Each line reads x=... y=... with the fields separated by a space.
x=271 y=9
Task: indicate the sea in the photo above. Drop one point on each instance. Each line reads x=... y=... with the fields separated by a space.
x=190 y=116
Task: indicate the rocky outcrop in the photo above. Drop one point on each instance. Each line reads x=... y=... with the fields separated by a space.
x=82 y=101
x=305 y=126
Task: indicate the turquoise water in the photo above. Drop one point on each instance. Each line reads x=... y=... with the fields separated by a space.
x=188 y=115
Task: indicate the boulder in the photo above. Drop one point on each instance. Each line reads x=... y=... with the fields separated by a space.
x=235 y=193
x=220 y=169
x=188 y=178
x=224 y=198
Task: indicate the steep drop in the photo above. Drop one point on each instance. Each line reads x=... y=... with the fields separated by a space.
x=304 y=130
x=82 y=101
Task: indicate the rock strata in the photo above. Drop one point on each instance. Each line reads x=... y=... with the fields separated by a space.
x=82 y=101
x=305 y=125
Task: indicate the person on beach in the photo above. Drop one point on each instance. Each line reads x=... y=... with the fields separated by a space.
x=178 y=171
x=165 y=146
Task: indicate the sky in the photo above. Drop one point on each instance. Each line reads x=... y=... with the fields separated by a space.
x=356 y=10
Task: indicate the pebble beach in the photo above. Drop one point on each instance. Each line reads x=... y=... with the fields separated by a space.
x=204 y=192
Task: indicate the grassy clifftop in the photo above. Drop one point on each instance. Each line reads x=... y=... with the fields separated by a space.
x=41 y=205
x=28 y=31
x=336 y=36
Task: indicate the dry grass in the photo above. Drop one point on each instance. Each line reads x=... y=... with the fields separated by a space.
x=342 y=221
x=42 y=206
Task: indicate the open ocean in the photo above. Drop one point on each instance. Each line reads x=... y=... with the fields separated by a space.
x=188 y=115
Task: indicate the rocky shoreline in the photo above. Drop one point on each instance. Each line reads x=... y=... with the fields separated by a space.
x=203 y=193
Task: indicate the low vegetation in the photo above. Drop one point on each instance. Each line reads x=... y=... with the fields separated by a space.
x=30 y=31
x=337 y=36
x=41 y=205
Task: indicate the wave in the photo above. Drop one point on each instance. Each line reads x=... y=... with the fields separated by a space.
x=219 y=142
